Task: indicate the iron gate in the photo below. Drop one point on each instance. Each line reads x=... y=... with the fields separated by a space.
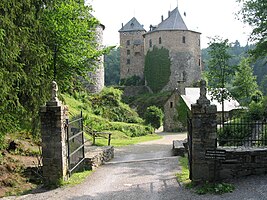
x=75 y=143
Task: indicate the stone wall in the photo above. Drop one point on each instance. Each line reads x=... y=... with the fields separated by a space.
x=186 y=64
x=171 y=123
x=96 y=156
x=130 y=91
x=97 y=76
x=242 y=162
x=133 y=52
x=211 y=163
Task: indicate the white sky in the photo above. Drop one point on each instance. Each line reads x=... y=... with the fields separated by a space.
x=210 y=17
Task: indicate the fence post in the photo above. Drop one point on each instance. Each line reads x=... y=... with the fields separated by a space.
x=203 y=136
x=54 y=150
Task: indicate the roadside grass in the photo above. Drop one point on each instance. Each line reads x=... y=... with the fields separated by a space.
x=76 y=178
x=204 y=188
x=119 y=139
x=183 y=176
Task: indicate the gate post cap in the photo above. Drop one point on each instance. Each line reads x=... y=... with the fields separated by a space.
x=203 y=93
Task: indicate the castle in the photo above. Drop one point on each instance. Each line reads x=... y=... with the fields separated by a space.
x=172 y=34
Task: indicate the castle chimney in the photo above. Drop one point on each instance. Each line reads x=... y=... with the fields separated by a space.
x=121 y=25
x=169 y=13
x=162 y=18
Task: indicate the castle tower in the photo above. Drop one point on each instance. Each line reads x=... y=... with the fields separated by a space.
x=97 y=76
x=184 y=49
x=132 y=49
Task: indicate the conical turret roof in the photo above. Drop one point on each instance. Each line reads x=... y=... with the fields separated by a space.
x=173 y=22
x=132 y=25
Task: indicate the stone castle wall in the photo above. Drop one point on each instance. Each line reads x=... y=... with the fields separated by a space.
x=97 y=76
x=131 y=54
x=185 y=55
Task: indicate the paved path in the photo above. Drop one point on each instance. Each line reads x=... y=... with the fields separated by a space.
x=146 y=171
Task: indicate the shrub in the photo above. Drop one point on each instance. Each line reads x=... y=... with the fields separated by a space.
x=154 y=116
x=131 y=130
x=234 y=132
x=132 y=81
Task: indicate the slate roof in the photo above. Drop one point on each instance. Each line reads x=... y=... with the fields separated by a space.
x=192 y=94
x=173 y=22
x=132 y=25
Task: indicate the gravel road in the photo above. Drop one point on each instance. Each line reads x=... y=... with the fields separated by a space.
x=146 y=171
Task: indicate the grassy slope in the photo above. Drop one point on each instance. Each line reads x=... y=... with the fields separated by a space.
x=123 y=133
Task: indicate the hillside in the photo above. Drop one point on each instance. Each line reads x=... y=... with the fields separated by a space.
x=20 y=160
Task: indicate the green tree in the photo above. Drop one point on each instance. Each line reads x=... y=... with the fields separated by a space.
x=112 y=67
x=154 y=116
x=244 y=82
x=219 y=72
x=254 y=13
x=30 y=31
x=71 y=38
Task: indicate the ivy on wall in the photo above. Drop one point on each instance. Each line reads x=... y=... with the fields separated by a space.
x=157 y=68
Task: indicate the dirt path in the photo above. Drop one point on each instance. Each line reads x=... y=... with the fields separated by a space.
x=146 y=171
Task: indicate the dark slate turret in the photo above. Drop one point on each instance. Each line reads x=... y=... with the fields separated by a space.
x=173 y=22
x=132 y=25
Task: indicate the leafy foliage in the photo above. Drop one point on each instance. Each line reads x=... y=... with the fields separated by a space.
x=238 y=53
x=143 y=101
x=217 y=188
x=157 y=68
x=154 y=116
x=132 y=81
x=254 y=13
x=244 y=82
x=107 y=104
x=36 y=38
x=112 y=67
x=106 y=112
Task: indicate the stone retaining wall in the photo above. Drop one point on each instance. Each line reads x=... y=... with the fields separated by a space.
x=242 y=162
x=96 y=156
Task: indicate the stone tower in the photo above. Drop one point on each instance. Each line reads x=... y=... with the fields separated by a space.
x=97 y=76
x=184 y=49
x=132 y=49
x=172 y=34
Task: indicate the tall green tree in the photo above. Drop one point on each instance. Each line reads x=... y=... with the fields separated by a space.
x=112 y=67
x=244 y=82
x=31 y=32
x=254 y=12
x=219 y=73
x=71 y=38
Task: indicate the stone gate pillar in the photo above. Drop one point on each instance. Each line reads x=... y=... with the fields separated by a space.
x=203 y=136
x=54 y=149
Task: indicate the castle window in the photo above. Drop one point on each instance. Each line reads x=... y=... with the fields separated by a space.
x=171 y=104
x=199 y=62
x=128 y=52
x=159 y=40
x=137 y=54
x=128 y=61
x=183 y=39
x=198 y=42
x=128 y=42
x=150 y=43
